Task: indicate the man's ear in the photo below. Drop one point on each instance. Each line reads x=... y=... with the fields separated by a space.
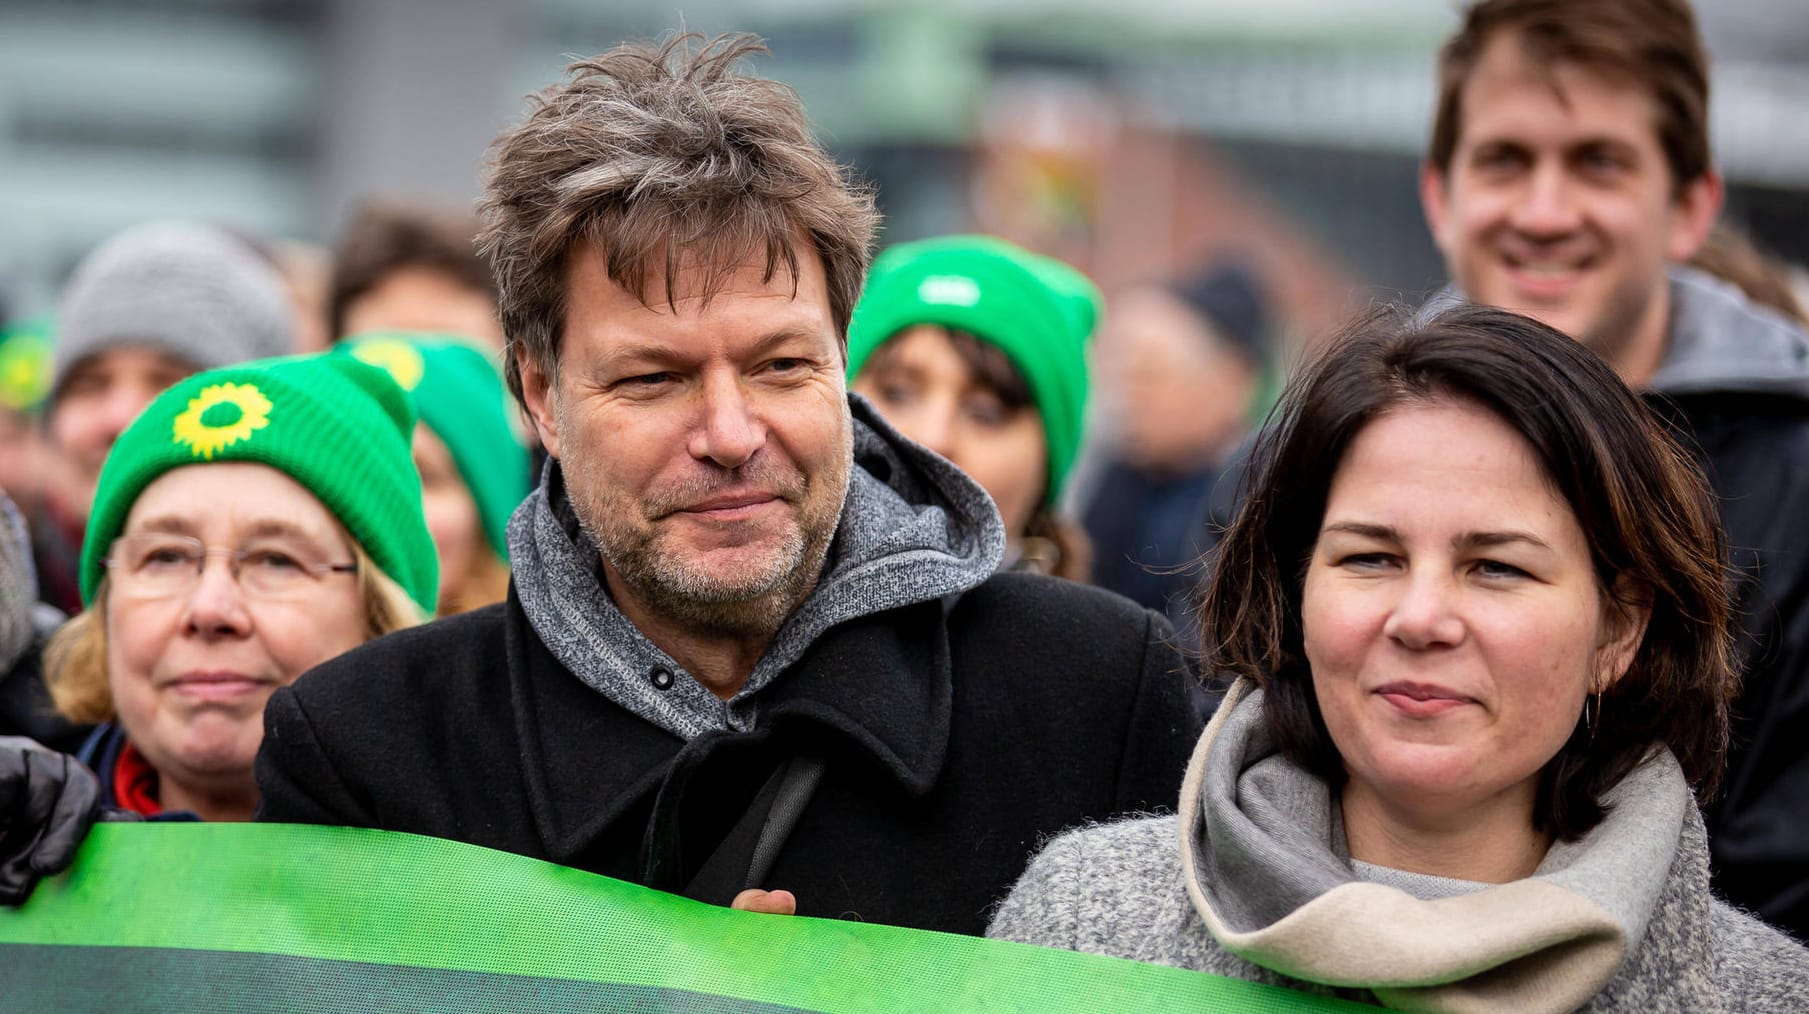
x=1432 y=202
x=1697 y=207
x=537 y=395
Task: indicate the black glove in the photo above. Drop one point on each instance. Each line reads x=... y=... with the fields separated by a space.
x=48 y=801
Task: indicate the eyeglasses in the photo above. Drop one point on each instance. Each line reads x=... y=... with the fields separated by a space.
x=170 y=566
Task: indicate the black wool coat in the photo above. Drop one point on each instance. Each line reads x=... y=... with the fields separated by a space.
x=955 y=737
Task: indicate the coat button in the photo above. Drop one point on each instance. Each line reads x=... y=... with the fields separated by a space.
x=662 y=678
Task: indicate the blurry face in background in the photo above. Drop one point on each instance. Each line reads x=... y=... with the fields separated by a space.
x=1559 y=202
x=428 y=301
x=190 y=673
x=452 y=517
x=1178 y=395
x=923 y=386
x=96 y=401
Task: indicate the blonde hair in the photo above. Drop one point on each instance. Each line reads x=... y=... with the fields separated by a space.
x=75 y=660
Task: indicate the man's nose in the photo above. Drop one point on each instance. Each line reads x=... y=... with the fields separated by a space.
x=730 y=430
x=1547 y=207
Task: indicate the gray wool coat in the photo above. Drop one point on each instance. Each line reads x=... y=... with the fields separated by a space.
x=1249 y=881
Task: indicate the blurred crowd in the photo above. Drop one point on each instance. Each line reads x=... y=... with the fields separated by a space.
x=645 y=521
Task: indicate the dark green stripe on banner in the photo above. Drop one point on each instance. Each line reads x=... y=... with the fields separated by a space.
x=165 y=910
x=158 y=981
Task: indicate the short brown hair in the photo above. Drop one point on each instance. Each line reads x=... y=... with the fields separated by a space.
x=654 y=152
x=1652 y=43
x=75 y=660
x=1645 y=509
x=383 y=238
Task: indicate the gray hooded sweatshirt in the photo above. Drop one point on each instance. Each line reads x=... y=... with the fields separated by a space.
x=913 y=528
x=1252 y=880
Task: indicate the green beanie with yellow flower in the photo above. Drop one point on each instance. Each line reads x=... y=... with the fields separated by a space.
x=1037 y=310
x=460 y=396
x=339 y=427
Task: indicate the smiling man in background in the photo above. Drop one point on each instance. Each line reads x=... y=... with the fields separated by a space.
x=1569 y=177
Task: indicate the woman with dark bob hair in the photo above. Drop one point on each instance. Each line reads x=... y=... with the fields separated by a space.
x=1475 y=607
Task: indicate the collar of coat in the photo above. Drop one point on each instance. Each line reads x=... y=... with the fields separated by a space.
x=875 y=693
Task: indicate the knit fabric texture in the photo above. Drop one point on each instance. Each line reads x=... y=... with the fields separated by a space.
x=460 y=397
x=180 y=287
x=335 y=425
x=1037 y=310
x=1253 y=879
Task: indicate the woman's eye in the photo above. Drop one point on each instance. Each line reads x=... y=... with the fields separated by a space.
x=271 y=559
x=167 y=556
x=988 y=412
x=1497 y=569
x=894 y=393
x=1366 y=561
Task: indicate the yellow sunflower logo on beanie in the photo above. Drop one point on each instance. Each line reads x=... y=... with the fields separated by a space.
x=401 y=360
x=220 y=416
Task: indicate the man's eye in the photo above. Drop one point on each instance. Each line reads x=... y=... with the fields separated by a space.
x=786 y=365
x=1499 y=159
x=647 y=380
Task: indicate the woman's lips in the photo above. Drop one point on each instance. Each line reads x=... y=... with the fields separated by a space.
x=1420 y=700
x=217 y=686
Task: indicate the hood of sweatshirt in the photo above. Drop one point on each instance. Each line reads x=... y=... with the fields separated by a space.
x=1719 y=341
x=913 y=528
x=1265 y=862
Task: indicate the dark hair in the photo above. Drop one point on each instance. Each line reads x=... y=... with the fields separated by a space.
x=381 y=239
x=1055 y=545
x=653 y=152
x=1643 y=505
x=1651 y=43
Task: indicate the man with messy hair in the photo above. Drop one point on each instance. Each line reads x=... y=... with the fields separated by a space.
x=755 y=639
x=1569 y=177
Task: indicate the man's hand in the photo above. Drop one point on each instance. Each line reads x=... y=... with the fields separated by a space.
x=48 y=801
x=770 y=902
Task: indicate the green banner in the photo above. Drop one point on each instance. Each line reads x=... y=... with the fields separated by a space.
x=226 y=917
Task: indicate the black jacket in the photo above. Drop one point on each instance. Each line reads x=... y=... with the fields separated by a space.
x=956 y=737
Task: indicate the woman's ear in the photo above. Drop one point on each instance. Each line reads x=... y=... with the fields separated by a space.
x=1626 y=609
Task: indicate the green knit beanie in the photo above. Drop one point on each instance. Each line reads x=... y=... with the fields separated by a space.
x=25 y=351
x=1037 y=310
x=335 y=425
x=461 y=398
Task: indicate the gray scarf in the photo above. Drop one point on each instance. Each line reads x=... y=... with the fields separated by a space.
x=1264 y=861
x=913 y=528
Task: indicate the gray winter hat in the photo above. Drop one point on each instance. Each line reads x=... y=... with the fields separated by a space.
x=188 y=289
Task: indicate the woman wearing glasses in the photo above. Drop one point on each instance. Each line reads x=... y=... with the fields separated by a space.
x=253 y=522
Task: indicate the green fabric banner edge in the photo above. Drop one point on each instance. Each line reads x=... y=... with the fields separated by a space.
x=351 y=894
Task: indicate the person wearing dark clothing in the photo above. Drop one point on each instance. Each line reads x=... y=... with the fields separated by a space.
x=25 y=625
x=957 y=717
x=1183 y=368
x=755 y=649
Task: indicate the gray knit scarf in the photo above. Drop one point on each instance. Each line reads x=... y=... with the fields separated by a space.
x=913 y=528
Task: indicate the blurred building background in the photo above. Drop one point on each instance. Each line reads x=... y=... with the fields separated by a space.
x=1134 y=139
